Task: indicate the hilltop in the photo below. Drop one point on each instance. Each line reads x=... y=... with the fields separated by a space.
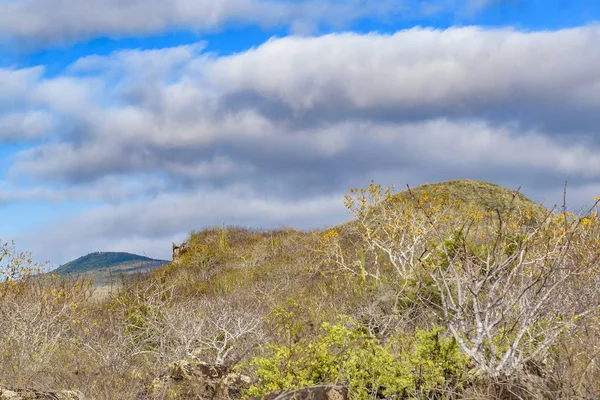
x=102 y=264
x=466 y=191
x=485 y=194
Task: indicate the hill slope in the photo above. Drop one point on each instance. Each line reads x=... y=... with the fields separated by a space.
x=485 y=194
x=103 y=264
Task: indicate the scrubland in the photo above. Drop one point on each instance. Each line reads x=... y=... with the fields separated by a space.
x=431 y=293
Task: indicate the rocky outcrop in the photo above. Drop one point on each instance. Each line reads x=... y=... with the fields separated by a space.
x=28 y=394
x=318 y=392
x=197 y=379
x=179 y=250
x=194 y=379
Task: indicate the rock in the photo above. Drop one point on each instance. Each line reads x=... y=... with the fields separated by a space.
x=29 y=394
x=6 y=394
x=318 y=392
x=180 y=250
x=196 y=379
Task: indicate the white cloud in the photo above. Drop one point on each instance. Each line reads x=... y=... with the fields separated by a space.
x=107 y=190
x=149 y=226
x=25 y=125
x=57 y=21
x=16 y=83
x=175 y=109
x=275 y=135
x=452 y=69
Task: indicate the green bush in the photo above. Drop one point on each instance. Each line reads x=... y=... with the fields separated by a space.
x=409 y=366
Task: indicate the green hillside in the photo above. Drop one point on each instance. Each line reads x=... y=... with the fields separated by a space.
x=103 y=264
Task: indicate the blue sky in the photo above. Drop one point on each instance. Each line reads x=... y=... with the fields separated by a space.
x=124 y=125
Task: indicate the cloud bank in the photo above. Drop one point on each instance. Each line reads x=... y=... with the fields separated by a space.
x=59 y=22
x=278 y=133
x=64 y=21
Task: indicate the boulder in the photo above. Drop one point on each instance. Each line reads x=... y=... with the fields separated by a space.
x=29 y=394
x=179 y=250
x=196 y=379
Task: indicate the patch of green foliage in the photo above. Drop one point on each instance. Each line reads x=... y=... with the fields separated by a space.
x=421 y=365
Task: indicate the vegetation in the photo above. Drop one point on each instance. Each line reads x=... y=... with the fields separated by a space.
x=484 y=194
x=455 y=290
x=419 y=365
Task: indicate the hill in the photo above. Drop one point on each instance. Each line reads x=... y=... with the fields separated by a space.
x=485 y=194
x=466 y=191
x=102 y=265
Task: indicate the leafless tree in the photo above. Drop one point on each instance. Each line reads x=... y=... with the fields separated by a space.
x=502 y=283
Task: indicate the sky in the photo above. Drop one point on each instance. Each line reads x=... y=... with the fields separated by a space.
x=127 y=124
